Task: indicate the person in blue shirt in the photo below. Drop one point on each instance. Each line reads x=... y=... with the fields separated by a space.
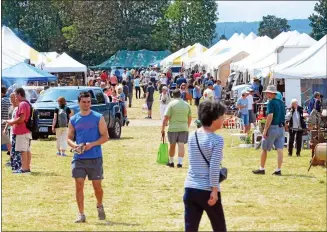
x=217 y=90
x=137 y=87
x=180 y=81
x=117 y=74
x=197 y=93
x=242 y=105
x=87 y=131
x=315 y=103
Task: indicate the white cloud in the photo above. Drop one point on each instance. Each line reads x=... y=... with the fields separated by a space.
x=235 y=11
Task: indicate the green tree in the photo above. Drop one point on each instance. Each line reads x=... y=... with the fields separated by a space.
x=272 y=26
x=191 y=22
x=318 y=21
x=12 y=12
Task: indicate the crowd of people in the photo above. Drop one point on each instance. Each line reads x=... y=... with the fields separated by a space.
x=86 y=131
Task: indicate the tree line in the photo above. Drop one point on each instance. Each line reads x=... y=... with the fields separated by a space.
x=92 y=31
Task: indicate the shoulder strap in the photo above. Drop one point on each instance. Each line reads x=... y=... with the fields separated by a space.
x=197 y=141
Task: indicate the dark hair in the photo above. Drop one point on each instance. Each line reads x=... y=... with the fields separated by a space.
x=20 y=91
x=105 y=89
x=124 y=83
x=209 y=111
x=46 y=87
x=316 y=94
x=150 y=83
x=3 y=89
x=83 y=95
x=176 y=93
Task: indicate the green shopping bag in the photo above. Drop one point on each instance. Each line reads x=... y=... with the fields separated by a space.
x=162 y=157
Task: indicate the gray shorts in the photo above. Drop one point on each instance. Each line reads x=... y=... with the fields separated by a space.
x=276 y=136
x=178 y=137
x=252 y=118
x=90 y=167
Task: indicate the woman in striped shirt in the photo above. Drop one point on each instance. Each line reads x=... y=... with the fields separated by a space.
x=202 y=190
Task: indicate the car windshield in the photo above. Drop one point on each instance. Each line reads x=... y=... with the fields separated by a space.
x=51 y=95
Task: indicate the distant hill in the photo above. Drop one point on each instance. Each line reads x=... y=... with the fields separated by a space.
x=229 y=28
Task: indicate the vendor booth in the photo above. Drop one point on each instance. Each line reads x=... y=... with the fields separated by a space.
x=68 y=70
x=22 y=73
x=305 y=73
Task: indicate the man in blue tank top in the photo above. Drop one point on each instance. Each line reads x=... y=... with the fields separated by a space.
x=89 y=129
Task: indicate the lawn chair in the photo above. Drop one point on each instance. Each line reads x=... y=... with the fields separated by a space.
x=235 y=127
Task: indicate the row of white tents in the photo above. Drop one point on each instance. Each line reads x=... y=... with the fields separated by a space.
x=291 y=56
x=15 y=51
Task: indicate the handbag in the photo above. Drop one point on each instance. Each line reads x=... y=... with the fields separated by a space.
x=223 y=171
x=162 y=156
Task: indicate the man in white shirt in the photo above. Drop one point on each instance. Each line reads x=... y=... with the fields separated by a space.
x=208 y=94
x=252 y=118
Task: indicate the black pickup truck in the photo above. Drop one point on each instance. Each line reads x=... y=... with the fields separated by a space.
x=46 y=104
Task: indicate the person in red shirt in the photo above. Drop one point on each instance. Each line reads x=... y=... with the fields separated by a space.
x=113 y=80
x=22 y=133
x=104 y=76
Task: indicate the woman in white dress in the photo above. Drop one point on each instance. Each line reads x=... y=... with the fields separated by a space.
x=164 y=99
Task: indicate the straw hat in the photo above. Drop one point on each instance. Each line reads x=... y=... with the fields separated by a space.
x=271 y=89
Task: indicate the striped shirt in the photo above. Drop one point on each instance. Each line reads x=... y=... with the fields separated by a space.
x=5 y=104
x=200 y=175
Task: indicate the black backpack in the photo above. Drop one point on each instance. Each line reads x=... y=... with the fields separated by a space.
x=32 y=123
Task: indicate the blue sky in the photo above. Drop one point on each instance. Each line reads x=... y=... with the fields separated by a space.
x=249 y=11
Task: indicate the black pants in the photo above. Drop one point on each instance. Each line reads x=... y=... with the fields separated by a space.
x=298 y=135
x=144 y=90
x=195 y=202
x=137 y=92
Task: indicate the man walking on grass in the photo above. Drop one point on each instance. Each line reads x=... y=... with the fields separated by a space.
x=149 y=99
x=90 y=131
x=23 y=134
x=178 y=114
x=274 y=131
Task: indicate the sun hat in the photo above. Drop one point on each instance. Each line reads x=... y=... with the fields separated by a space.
x=271 y=89
x=165 y=87
x=244 y=91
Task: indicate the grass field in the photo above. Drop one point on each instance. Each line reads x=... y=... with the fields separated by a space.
x=142 y=195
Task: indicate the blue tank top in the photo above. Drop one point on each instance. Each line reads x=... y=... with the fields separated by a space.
x=87 y=131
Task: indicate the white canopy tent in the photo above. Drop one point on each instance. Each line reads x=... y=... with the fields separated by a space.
x=284 y=47
x=254 y=48
x=15 y=51
x=66 y=64
x=266 y=47
x=214 y=50
x=51 y=55
x=221 y=62
x=304 y=72
x=168 y=61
